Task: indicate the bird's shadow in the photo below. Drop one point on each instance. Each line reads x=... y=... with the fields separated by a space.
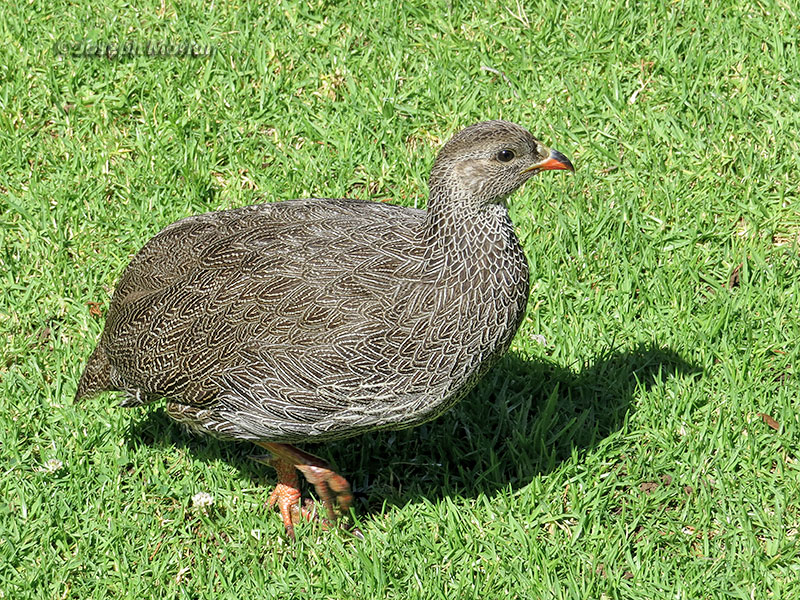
x=521 y=420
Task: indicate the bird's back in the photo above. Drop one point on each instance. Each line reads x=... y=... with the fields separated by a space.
x=309 y=319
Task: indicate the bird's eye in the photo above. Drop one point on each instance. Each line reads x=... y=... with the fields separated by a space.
x=505 y=155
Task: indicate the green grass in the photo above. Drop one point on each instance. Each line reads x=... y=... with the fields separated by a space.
x=624 y=457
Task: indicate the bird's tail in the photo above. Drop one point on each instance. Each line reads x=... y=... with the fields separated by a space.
x=96 y=376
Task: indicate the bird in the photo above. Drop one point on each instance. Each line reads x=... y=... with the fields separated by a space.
x=311 y=320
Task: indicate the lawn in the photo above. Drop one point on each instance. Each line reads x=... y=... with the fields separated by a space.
x=640 y=439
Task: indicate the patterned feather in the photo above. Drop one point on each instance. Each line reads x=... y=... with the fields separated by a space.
x=318 y=319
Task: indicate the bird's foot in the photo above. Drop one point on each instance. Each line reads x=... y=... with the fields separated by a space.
x=332 y=489
x=286 y=495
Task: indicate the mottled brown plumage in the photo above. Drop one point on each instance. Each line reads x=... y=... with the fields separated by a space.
x=312 y=320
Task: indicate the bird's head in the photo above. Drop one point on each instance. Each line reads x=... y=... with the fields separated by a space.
x=484 y=163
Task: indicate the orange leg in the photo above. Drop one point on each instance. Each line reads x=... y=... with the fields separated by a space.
x=287 y=495
x=332 y=489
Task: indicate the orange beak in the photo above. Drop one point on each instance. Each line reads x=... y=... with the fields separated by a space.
x=555 y=161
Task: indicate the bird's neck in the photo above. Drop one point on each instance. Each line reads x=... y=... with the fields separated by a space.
x=474 y=255
x=461 y=232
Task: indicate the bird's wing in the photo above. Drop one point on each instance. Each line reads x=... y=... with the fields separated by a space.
x=296 y=308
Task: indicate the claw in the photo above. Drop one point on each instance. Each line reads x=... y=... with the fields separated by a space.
x=333 y=489
x=355 y=532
